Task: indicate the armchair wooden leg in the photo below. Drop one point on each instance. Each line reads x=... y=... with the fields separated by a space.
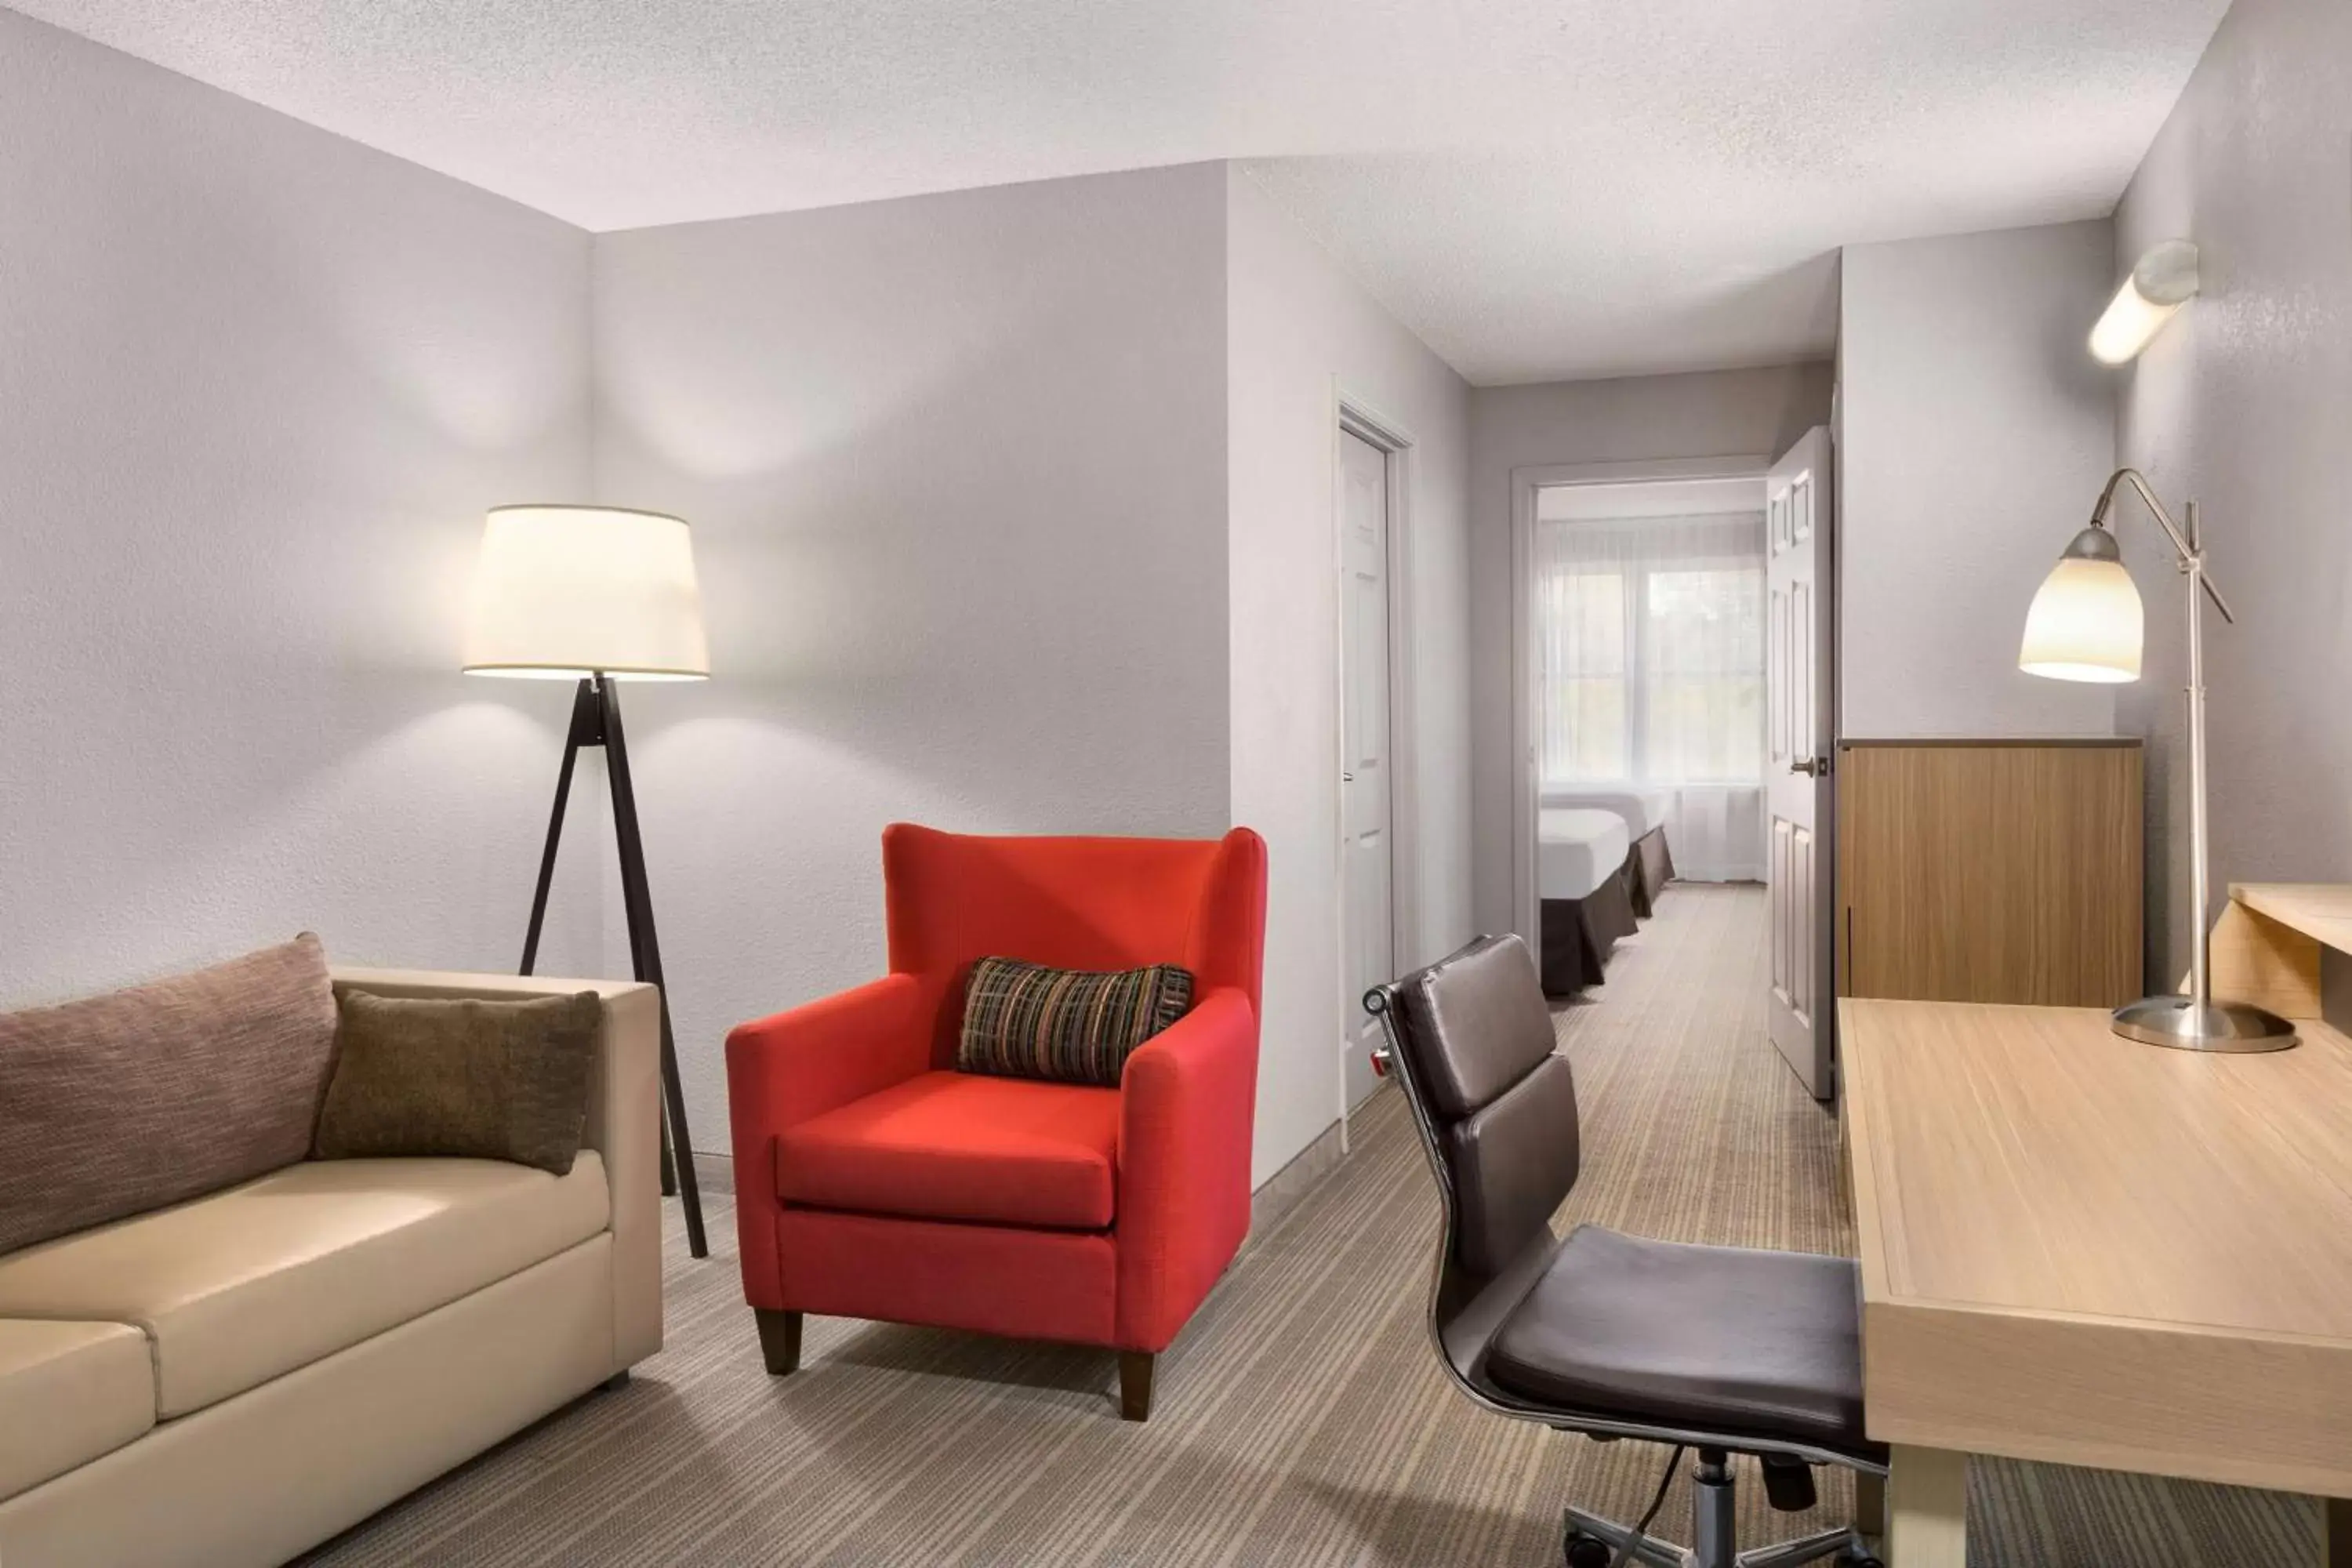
x=780 y=1341
x=1135 y=1384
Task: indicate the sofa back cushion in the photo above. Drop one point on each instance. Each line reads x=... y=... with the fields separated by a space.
x=117 y=1104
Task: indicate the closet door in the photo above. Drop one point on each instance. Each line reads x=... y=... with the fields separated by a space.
x=1368 y=869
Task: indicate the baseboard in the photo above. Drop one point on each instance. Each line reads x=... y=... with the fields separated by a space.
x=1283 y=1190
x=715 y=1172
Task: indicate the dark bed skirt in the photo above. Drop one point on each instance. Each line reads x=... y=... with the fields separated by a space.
x=1649 y=867
x=1578 y=932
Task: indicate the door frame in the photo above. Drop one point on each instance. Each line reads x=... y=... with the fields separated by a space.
x=1357 y=416
x=1526 y=914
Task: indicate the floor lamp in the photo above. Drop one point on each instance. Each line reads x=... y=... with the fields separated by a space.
x=598 y=596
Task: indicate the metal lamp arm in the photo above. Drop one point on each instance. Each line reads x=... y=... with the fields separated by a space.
x=2190 y=550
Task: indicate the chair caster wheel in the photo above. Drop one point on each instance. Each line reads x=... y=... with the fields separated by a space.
x=1858 y=1560
x=1584 y=1551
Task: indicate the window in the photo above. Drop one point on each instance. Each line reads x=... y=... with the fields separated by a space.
x=1704 y=700
x=1585 y=721
x=1650 y=637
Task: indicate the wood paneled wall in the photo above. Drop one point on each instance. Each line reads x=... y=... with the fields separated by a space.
x=1991 y=871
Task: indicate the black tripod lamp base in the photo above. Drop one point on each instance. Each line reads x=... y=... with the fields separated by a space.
x=596 y=722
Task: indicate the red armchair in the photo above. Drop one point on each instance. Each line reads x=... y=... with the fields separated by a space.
x=873 y=1181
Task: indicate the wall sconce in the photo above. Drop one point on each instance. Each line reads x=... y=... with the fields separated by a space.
x=2164 y=280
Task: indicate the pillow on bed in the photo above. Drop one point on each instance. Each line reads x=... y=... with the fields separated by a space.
x=1071 y=1026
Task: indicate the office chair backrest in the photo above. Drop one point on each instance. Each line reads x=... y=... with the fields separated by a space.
x=1496 y=1105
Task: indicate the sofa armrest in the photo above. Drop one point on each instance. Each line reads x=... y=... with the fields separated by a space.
x=624 y=1121
x=1187 y=1111
x=792 y=1066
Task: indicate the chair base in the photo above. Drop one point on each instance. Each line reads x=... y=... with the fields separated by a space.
x=1713 y=1528
x=1663 y=1554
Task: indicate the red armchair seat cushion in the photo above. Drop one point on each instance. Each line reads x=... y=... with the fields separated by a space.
x=959 y=1146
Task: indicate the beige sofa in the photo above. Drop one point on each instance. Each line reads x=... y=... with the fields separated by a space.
x=236 y=1379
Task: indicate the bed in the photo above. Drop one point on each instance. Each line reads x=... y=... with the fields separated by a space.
x=1587 y=901
x=1651 y=865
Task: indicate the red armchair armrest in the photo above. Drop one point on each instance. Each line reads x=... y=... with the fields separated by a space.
x=799 y=1064
x=1186 y=1105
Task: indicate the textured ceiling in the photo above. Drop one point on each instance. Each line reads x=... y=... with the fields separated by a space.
x=1540 y=188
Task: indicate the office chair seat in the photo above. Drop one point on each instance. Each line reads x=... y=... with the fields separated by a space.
x=1724 y=1339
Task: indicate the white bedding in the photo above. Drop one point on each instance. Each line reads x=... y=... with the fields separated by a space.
x=1576 y=849
x=1643 y=809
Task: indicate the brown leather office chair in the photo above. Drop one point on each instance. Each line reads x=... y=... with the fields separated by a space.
x=1722 y=1350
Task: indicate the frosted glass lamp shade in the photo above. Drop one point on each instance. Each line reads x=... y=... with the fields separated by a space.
x=2085 y=623
x=2165 y=280
x=560 y=592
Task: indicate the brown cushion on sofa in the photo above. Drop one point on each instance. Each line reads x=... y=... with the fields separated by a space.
x=117 y=1104
x=476 y=1079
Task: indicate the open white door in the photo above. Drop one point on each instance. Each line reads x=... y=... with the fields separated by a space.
x=1368 y=869
x=1799 y=513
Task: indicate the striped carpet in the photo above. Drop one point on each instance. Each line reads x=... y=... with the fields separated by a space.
x=1301 y=1418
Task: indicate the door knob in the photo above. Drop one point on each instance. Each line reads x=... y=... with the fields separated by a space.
x=1811 y=767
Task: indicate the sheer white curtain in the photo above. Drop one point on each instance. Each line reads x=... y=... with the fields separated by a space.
x=1650 y=655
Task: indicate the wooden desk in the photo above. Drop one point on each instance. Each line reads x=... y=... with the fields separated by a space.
x=2269 y=946
x=2085 y=1250
x=2320 y=911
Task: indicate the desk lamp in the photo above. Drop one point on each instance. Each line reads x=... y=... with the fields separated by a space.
x=2085 y=625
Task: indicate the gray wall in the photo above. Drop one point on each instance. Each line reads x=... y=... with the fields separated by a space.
x=1304 y=335
x=1717 y=415
x=2246 y=402
x=956 y=466
x=1976 y=431
x=257 y=385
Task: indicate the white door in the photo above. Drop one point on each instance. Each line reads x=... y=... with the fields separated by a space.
x=1799 y=514
x=1366 y=868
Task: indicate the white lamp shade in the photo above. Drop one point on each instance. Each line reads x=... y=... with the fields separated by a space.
x=2085 y=623
x=565 y=591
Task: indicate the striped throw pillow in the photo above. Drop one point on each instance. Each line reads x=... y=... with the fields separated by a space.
x=1025 y=1020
